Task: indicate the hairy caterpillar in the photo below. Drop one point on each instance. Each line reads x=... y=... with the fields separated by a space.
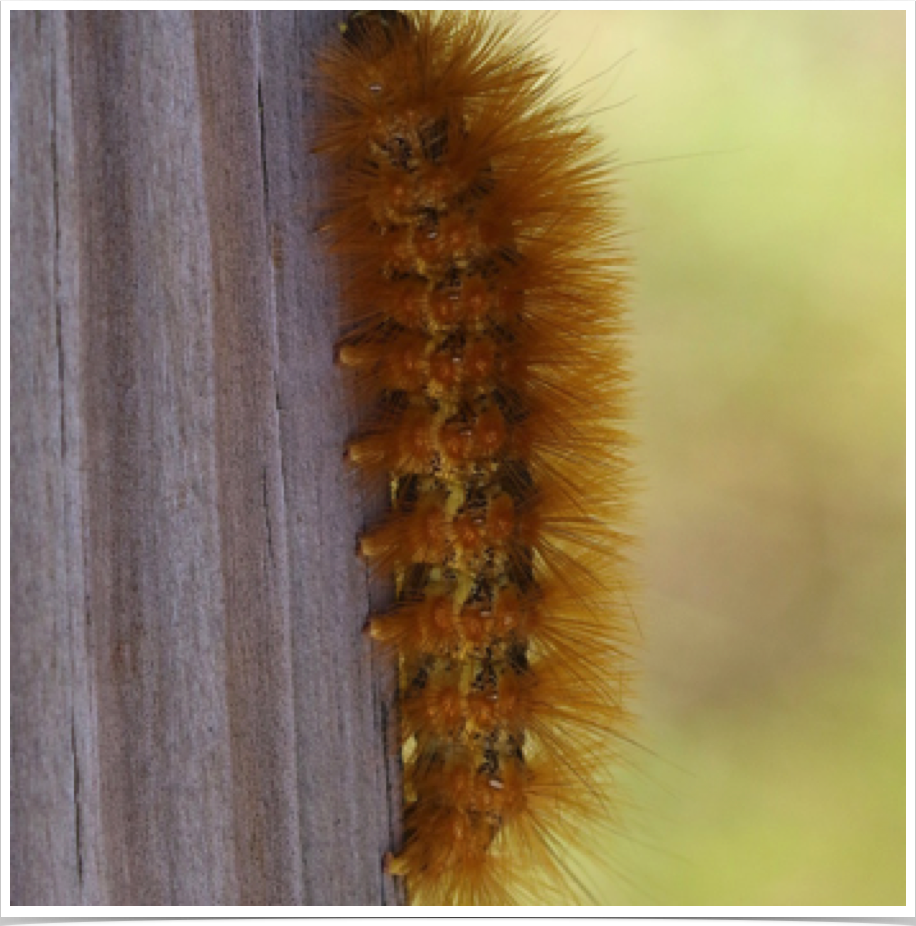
x=483 y=287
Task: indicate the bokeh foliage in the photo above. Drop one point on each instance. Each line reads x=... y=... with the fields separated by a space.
x=763 y=176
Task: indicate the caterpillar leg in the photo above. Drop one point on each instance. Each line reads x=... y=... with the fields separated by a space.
x=394 y=865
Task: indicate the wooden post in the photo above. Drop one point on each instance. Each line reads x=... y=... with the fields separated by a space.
x=196 y=716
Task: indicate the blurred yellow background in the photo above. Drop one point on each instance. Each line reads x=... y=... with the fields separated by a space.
x=763 y=180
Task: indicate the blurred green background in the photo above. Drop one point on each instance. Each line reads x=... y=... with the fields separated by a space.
x=763 y=178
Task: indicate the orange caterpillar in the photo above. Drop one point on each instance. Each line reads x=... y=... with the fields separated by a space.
x=483 y=287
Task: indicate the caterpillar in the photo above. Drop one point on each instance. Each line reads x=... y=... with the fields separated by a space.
x=483 y=282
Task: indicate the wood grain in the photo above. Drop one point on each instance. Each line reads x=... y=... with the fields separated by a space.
x=197 y=718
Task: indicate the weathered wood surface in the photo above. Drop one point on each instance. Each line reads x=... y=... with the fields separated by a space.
x=196 y=716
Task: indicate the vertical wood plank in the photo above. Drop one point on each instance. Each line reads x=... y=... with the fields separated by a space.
x=251 y=502
x=155 y=583
x=45 y=555
x=197 y=718
x=343 y=695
